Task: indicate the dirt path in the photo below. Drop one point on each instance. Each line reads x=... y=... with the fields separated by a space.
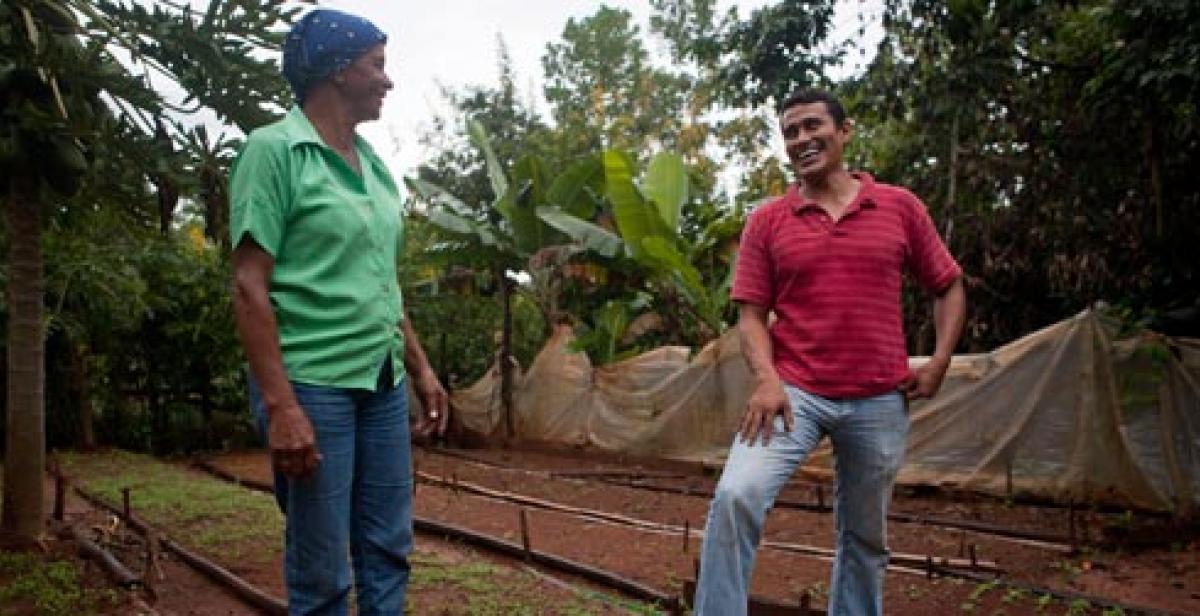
x=1164 y=579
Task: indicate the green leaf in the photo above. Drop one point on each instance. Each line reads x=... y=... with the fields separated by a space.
x=667 y=186
x=433 y=194
x=448 y=221
x=495 y=172
x=575 y=189
x=591 y=236
x=669 y=261
x=611 y=321
x=636 y=219
x=527 y=230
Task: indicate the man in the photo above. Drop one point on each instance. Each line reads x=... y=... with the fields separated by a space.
x=827 y=259
x=316 y=228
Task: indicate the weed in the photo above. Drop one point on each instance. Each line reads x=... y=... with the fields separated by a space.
x=981 y=590
x=488 y=590
x=227 y=521
x=1013 y=595
x=53 y=587
x=1079 y=607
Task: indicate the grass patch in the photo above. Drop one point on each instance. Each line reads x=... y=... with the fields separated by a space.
x=484 y=589
x=32 y=583
x=230 y=523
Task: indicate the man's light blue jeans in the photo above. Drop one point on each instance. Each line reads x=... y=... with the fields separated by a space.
x=357 y=507
x=868 y=437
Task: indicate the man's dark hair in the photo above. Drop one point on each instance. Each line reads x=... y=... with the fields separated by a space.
x=808 y=96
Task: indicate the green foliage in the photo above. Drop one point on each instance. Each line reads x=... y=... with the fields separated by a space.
x=51 y=587
x=225 y=520
x=601 y=341
x=495 y=591
x=978 y=110
x=1079 y=607
x=464 y=352
x=605 y=93
x=775 y=50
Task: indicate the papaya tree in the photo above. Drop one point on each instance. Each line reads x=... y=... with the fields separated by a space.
x=64 y=97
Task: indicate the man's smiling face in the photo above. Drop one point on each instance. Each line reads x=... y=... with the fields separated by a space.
x=813 y=139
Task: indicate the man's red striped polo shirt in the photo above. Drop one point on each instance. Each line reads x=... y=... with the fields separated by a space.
x=835 y=286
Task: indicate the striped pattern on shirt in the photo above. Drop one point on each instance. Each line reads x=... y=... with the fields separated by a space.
x=835 y=287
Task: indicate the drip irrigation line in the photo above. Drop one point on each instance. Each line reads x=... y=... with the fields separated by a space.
x=904 y=563
x=1014 y=535
x=253 y=484
x=241 y=588
x=602 y=577
x=929 y=568
x=91 y=550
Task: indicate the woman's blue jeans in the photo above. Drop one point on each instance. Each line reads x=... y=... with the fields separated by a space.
x=357 y=507
x=868 y=437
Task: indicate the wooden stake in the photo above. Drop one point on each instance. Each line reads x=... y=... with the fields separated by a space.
x=525 y=536
x=125 y=504
x=60 y=496
x=148 y=579
x=1071 y=523
x=805 y=603
x=687 y=532
x=1008 y=480
x=974 y=561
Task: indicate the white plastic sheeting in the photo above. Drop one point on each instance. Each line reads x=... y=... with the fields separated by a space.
x=1065 y=413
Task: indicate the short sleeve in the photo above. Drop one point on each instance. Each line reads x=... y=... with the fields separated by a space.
x=752 y=280
x=929 y=260
x=259 y=194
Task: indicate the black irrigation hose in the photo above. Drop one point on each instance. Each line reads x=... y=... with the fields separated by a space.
x=117 y=570
x=644 y=593
x=602 y=577
x=241 y=588
x=1054 y=542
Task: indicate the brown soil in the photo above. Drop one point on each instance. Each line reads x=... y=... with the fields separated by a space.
x=1165 y=578
x=180 y=590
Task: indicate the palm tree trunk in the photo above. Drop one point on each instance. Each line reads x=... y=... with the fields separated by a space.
x=24 y=509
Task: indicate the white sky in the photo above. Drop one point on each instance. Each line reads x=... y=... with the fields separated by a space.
x=454 y=42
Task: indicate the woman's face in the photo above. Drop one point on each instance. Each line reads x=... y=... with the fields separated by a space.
x=364 y=84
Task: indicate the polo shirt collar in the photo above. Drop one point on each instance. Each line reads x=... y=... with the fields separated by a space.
x=300 y=131
x=865 y=199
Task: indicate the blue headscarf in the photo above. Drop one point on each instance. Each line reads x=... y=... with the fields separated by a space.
x=322 y=43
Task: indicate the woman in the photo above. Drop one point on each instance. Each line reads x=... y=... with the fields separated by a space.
x=316 y=224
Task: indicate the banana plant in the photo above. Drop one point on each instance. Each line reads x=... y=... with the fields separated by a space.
x=518 y=238
x=647 y=219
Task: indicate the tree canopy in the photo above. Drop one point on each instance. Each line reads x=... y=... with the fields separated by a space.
x=1053 y=142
